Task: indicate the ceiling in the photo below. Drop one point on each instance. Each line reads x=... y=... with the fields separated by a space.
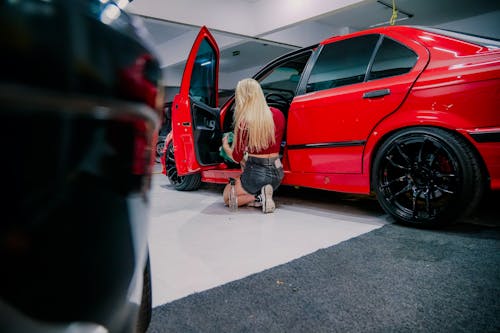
x=262 y=30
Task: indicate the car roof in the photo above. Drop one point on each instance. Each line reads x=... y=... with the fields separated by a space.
x=404 y=29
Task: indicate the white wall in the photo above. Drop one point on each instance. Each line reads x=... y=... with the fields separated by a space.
x=229 y=80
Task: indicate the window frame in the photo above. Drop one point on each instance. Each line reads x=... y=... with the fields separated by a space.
x=301 y=90
x=212 y=71
x=375 y=53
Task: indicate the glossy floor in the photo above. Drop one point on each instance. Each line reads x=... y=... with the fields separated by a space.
x=196 y=243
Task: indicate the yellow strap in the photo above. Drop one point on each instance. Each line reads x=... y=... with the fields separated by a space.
x=394 y=16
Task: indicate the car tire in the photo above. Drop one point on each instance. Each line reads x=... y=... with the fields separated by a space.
x=159 y=149
x=145 y=309
x=427 y=176
x=181 y=183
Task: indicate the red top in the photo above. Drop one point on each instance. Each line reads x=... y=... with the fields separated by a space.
x=279 y=128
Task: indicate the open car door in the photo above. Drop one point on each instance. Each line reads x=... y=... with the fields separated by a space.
x=195 y=116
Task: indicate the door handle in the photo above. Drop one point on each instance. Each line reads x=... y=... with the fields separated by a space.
x=377 y=93
x=186 y=124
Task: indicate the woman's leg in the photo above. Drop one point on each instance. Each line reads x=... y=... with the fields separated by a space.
x=243 y=196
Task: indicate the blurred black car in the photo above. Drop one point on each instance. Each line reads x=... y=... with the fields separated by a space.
x=79 y=107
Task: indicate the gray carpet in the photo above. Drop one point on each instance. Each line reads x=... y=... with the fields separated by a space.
x=394 y=279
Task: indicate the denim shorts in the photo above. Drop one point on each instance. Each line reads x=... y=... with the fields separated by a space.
x=261 y=171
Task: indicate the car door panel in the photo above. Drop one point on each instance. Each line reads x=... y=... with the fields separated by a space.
x=328 y=128
x=194 y=113
x=207 y=133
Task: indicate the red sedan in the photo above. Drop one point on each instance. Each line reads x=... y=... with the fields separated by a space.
x=409 y=114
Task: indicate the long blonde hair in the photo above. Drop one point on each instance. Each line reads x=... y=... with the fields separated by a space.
x=252 y=117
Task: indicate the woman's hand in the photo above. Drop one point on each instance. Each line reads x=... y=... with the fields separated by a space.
x=225 y=143
x=227 y=147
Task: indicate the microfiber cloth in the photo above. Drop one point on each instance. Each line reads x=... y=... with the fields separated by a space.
x=222 y=152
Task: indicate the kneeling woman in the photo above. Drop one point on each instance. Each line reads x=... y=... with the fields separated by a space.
x=258 y=131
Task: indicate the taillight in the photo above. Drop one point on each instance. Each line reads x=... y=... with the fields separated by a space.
x=141 y=81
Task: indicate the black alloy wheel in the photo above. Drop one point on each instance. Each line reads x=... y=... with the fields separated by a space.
x=181 y=183
x=427 y=176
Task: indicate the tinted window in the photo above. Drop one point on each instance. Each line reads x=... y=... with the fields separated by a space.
x=392 y=59
x=342 y=63
x=281 y=81
x=285 y=78
x=202 y=87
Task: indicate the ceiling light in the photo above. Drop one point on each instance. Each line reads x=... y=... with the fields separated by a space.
x=122 y=3
x=110 y=13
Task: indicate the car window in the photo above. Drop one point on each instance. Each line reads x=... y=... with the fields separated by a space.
x=392 y=59
x=342 y=63
x=280 y=81
x=202 y=87
x=285 y=77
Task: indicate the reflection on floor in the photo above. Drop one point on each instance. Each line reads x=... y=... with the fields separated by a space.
x=196 y=243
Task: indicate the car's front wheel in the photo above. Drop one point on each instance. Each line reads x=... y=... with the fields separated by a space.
x=427 y=176
x=181 y=183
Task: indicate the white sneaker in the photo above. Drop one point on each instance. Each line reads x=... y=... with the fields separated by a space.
x=266 y=193
x=256 y=203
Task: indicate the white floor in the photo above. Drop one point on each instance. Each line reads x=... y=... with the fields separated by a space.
x=196 y=243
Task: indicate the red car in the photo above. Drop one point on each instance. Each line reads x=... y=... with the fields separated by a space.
x=409 y=114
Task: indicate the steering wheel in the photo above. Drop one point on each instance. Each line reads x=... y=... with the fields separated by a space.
x=277 y=100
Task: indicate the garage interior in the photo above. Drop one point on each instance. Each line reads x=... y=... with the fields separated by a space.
x=250 y=33
x=323 y=262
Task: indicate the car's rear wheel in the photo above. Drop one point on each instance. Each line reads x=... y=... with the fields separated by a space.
x=427 y=176
x=181 y=183
x=145 y=309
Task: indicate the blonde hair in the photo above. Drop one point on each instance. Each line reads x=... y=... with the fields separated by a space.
x=252 y=117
